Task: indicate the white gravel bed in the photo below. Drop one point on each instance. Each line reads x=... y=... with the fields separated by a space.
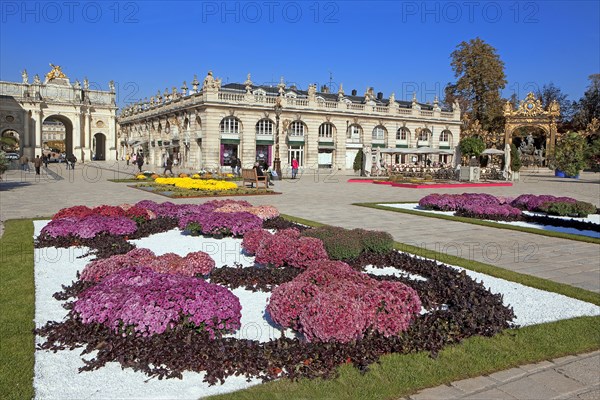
x=595 y=218
x=56 y=374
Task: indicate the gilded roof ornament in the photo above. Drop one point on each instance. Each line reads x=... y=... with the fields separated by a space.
x=55 y=73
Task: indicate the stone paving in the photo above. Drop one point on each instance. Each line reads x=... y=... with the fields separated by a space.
x=329 y=198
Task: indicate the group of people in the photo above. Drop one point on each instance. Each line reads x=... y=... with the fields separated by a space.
x=44 y=160
x=236 y=168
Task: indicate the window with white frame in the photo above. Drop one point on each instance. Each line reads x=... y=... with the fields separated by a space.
x=326 y=130
x=296 y=151
x=445 y=136
x=296 y=128
x=230 y=125
x=264 y=127
x=291 y=95
x=260 y=92
x=424 y=135
x=402 y=134
x=354 y=131
x=379 y=133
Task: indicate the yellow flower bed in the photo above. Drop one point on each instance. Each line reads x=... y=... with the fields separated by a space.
x=141 y=177
x=189 y=183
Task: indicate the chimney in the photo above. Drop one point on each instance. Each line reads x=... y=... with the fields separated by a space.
x=379 y=96
x=353 y=92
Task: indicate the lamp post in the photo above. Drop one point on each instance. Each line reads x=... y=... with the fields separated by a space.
x=277 y=161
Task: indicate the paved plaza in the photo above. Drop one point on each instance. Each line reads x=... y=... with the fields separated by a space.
x=328 y=199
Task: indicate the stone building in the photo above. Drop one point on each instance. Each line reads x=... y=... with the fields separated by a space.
x=205 y=125
x=55 y=109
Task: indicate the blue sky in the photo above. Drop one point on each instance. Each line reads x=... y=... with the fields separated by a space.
x=396 y=46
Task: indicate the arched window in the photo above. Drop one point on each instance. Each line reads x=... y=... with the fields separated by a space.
x=230 y=125
x=291 y=95
x=264 y=127
x=326 y=130
x=354 y=131
x=297 y=128
x=424 y=135
x=402 y=133
x=379 y=133
x=445 y=136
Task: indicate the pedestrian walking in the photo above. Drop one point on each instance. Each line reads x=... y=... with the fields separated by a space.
x=139 y=159
x=24 y=160
x=37 y=163
x=127 y=158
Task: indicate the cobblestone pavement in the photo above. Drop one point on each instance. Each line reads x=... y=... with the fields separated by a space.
x=329 y=198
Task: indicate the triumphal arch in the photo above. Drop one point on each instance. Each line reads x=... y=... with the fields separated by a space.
x=531 y=113
x=82 y=118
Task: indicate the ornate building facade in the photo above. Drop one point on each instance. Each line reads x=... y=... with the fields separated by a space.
x=29 y=111
x=203 y=127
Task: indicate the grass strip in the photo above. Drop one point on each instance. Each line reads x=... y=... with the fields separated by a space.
x=399 y=375
x=17 y=302
x=474 y=221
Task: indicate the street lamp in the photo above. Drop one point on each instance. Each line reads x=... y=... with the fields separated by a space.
x=277 y=161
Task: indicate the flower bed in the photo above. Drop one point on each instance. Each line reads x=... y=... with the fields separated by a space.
x=197 y=184
x=486 y=206
x=182 y=320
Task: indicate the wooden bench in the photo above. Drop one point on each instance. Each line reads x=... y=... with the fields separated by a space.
x=249 y=175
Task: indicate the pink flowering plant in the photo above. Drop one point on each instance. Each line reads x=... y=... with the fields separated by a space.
x=193 y=264
x=285 y=247
x=332 y=302
x=214 y=223
x=138 y=301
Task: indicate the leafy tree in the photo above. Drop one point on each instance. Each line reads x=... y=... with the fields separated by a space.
x=548 y=93
x=592 y=155
x=7 y=142
x=358 y=161
x=3 y=162
x=481 y=77
x=515 y=158
x=471 y=146
x=588 y=106
x=569 y=155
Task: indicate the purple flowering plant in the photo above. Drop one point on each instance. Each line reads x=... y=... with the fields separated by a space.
x=139 y=301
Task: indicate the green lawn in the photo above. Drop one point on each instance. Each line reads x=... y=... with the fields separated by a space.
x=395 y=376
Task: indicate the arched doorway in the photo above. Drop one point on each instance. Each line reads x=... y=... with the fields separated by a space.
x=99 y=147
x=531 y=143
x=531 y=117
x=57 y=134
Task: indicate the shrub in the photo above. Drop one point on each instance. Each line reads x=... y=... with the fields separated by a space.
x=73 y=212
x=139 y=301
x=515 y=158
x=532 y=202
x=89 y=226
x=340 y=244
x=566 y=208
x=377 y=241
x=345 y=244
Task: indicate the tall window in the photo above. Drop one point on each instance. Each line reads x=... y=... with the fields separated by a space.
x=264 y=127
x=445 y=136
x=326 y=130
x=402 y=134
x=424 y=135
x=297 y=128
x=296 y=151
x=354 y=131
x=230 y=125
x=379 y=133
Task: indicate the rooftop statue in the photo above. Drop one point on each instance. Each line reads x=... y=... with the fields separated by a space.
x=56 y=72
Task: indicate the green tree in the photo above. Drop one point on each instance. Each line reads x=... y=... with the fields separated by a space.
x=481 y=77
x=3 y=162
x=7 y=142
x=358 y=161
x=588 y=106
x=515 y=159
x=569 y=155
x=549 y=93
x=471 y=146
x=592 y=155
